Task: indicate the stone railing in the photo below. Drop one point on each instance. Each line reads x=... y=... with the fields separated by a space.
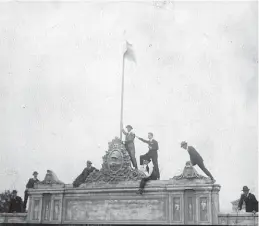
x=238 y=219
x=13 y=218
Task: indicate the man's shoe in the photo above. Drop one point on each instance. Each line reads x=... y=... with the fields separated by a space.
x=213 y=180
x=140 y=191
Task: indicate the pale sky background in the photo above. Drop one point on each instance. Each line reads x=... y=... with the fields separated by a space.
x=195 y=80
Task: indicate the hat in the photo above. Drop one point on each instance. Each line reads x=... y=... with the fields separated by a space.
x=245 y=188
x=14 y=191
x=89 y=162
x=183 y=143
x=129 y=126
x=35 y=172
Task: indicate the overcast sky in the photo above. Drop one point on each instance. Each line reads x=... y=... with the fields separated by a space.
x=195 y=80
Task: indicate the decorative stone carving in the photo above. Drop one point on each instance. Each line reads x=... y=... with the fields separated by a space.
x=36 y=210
x=46 y=207
x=223 y=221
x=189 y=174
x=177 y=209
x=51 y=178
x=203 y=209
x=235 y=206
x=116 y=166
x=190 y=209
x=56 y=210
x=130 y=210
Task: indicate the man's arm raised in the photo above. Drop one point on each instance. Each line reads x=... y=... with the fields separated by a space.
x=123 y=131
x=143 y=140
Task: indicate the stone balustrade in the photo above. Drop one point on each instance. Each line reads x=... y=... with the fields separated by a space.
x=6 y=218
x=245 y=219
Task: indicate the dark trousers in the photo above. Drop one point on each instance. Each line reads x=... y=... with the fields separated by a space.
x=145 y=180
x=204 y=169
x=154 y=157
x=26 y=196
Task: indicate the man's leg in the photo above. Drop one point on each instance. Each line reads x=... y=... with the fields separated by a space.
x=155 y=163
x=133 y=158
x=134 y=161
x=26 y=195
x=142 y=184
x=204 y=169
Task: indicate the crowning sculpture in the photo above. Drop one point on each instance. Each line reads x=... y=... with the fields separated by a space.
x=189 y=174
x=116 y=166
x=51 y=178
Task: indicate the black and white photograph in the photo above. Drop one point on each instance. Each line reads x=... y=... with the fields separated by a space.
x=134 y=112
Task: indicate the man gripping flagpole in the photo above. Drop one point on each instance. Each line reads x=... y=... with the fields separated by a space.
x=129 y=136
x=127 y=54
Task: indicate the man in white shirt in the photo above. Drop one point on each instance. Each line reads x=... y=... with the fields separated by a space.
x=148 y=169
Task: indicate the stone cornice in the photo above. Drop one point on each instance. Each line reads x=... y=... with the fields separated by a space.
x=161 y=185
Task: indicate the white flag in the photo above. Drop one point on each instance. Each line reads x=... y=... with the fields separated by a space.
x=128 y=52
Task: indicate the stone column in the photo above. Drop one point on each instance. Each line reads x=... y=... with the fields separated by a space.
x=215 y=203
x=35 y=207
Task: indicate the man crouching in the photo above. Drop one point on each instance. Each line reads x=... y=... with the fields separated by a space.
x=148 y=169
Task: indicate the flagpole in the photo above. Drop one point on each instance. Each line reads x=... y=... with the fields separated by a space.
x=122 y=95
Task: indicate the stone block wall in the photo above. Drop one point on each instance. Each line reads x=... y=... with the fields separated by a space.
x=162 y=203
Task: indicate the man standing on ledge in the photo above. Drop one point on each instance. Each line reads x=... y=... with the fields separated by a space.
x=29 y=185
x=249 y=199
x=196 y=159
x=129 y=144
x=152 y=153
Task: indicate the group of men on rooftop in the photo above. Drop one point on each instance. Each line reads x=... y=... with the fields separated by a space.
x=149 y=161
x=148 y=165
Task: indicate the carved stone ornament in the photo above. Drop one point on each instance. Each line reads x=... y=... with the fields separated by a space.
x=116 y=166
x=189 y=174
x=51 y=178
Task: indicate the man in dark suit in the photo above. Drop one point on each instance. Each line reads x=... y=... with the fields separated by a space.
x=196 y=159
x=152 y=153
x=15 y=203
x=82 y=177
x=249 y=199
x=30 y=184
x=129 y=144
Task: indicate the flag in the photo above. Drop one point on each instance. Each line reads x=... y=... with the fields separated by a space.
x=128 y=52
